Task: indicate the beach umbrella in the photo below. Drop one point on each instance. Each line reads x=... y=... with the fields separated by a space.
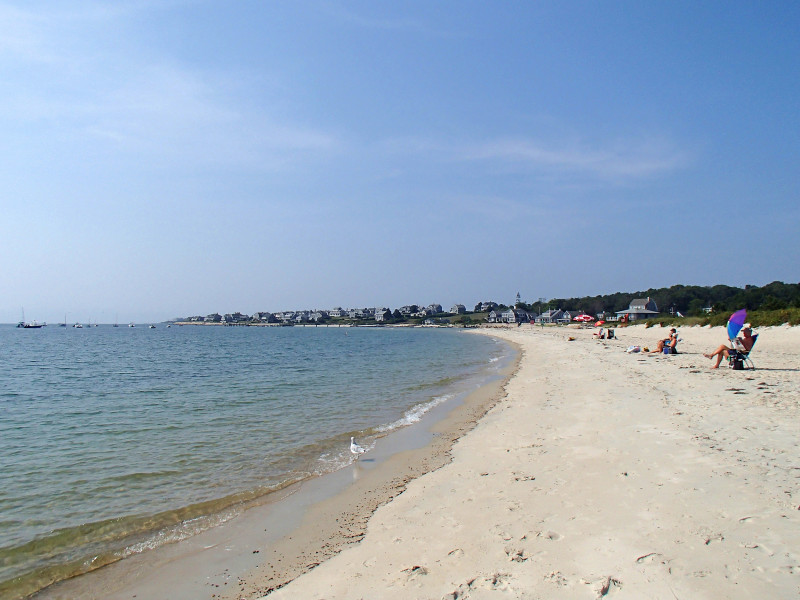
x=599 y=323
x=583 y=318
x=736 y=322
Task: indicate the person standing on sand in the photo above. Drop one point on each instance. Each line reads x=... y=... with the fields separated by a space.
x=724 y=351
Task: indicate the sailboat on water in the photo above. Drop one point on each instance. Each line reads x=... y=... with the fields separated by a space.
x=31 y=325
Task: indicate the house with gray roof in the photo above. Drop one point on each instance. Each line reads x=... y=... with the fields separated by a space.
x=550 y=316
x=514 y=315
x=264 y=317
x=568 y=315
x=640 y=308
x=382 y=314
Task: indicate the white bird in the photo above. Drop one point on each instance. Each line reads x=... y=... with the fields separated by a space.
x=355 y=448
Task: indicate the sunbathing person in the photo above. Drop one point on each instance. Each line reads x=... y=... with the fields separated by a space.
x=747 y=340
x=671 y=342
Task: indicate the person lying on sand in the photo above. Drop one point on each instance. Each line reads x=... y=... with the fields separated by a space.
x=671 y=341
x=724 y=351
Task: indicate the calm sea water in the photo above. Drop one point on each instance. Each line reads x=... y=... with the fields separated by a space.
x=115 y=440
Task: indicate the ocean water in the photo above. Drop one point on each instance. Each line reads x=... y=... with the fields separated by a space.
x=116 y=440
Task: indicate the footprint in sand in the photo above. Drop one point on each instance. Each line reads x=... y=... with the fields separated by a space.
x=415 y=572
x=517 y=555
x=608 y=586
x=717 y=537
x=557 y=578
x=550 y=535
x=497 y=582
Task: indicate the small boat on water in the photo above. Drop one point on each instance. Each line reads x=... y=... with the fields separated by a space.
x=78 y=326
x=152 y=326
x=29 y=325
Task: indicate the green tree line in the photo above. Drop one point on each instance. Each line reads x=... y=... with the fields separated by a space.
x=689 y=300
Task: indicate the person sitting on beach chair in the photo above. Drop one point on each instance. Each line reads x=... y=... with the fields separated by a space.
x=610 y=335
x=739 y=357
x=743 y=344
x=671 y=342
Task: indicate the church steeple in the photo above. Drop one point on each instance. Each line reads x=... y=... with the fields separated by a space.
x=518 y=301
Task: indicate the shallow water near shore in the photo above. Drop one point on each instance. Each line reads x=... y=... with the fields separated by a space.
x=116 y=440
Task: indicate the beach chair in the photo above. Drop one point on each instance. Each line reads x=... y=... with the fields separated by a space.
x=739 y=358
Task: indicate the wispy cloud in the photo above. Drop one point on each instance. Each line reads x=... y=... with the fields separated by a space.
x=48 y=32
x=133 y=102
x=612 y=160
x=20 y=35
x=616 y=161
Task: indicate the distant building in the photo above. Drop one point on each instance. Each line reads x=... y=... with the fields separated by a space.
x=514 y=315
x=568 y=315
x=550 y=316
x=640 y=308
x=382 y=314
x=458 y=309
x=265 y=317
x=234 y=318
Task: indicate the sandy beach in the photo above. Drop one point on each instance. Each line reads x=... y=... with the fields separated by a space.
x=598 y=473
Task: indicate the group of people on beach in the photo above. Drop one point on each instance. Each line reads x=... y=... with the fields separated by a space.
x=741 y=344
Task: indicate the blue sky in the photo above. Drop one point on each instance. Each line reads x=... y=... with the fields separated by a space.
x=166 y=158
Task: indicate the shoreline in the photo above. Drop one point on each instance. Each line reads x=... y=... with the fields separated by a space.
x=601 y=473
x=587 y=472
x=232 y=555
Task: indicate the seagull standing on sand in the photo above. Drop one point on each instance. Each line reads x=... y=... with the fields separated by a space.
x=355 y=448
